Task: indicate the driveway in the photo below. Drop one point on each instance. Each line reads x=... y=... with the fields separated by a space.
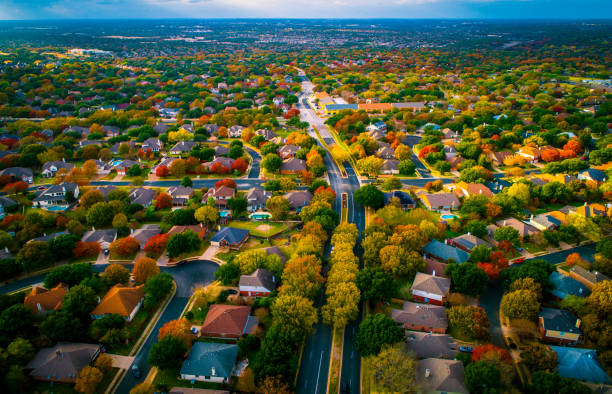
x=122 y=362
x=210 y=253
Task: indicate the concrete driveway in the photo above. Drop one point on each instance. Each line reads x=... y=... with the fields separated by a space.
x=122 y=362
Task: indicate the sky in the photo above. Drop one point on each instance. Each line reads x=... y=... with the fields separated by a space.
x=488 y=9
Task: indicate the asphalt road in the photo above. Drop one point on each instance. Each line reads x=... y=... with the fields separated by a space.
x=412 y=140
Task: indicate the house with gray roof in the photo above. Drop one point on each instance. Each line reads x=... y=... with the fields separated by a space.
x=258 y=284
x=183 y=147
x=50 y=168
x=103 y=237
x=390 y=167
x=142 y=196
x=523 y=228
x=292 y=166
x=267 y=134
x=558 y=325
x=210 y=362
x=257 y=198
x=467 y=242
x=56 y=195
x=544 y=222
x=270 y=250
x=440 y=201
x=581 y=364
x=152 y=143
x=22 y=173
x=586 y=277
x=564 y=285
x=235 y=131
x=421 y=317
x=385 y=153
x=106 y=189
x=63 y=362
x=221 y=150
x=406 y=201
x=444 y=252
x=426 y=345
x=430 y=289
x=287 y=151
x=592 y=174
x=145 y=233
x=180 y=194
x=299 y=199
x=435 y=375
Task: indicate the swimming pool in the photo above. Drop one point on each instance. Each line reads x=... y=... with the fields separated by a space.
x=448 y=216
x=260 y=215
x=56 y=208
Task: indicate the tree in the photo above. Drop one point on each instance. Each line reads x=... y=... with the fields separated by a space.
x=520 y=191
x=104 y=363
x=370 y=165
x=239 y=165
x=157 y=288
x=375 y=284
x=372 y=244
x=86 y=249
x=601 y=298
x=62 y=245
x=539 y=357
x=114 y=274
x=342 y=301
x=279 y=207
x=142 y=388
x=33 y=255
x=391 y=184
x=177 y=168
x=182 y=243
x=228 y=273
x=238 y=205
x=509 y=234
x=186 y=182
x=406 y=167
x=471 y=320
x=375 y=331
x=16 y=319
x=482 y=377
x=274 y=385
x=295 y=314
x=156 y=245
x=162 y=171
x=62 y=326
x=124 y=247
x=552 y=383
x=278 y=354
x=302 y=276
x=100 y=214
x=21 y=350
x=207 y=214
x=538 y=270
x=339 y=153
x=477 y=228
x=88 y=379
x=163 y=201
x=480 y=253
x=80 y=301
x=369 y=196
x=167 y=353
x=178 y=328
x=394 y=370
x=271 y=162
x=134 y=170
x=91 y=197
x=15 y=379
x=101 y=326
x=467 y=278
x=144 y=269
x=520 y=304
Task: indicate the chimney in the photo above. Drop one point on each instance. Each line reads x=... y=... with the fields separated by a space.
x=213 y=372
x=433 y=273
x=427 y=372
x=274 y=278
x=39 y=307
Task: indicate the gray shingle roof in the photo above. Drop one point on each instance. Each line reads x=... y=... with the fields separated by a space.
x=205 y=357
x=431 y=284
x=559 y=320
x=438 y=375
x=426 y=345
x=63 y=361
x=259 y=278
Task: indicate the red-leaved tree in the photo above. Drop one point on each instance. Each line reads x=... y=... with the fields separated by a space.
x=162 y=171
x=163 y=201
x=156 y=245
x=226 y=182
x=86 y=249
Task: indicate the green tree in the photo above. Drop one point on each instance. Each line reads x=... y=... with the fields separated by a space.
x=391 y=184
x=271 y=162
x=68 y=274
x=62 y=326
x=406 y=167
x=186 y=181
x=79 y=301
x=369 y=196
x=100 y=215
x=167 y=353
x=279 y=207
x=207 y=215
x=34 y=254
x=376 y=284
x=539 y=357
x=21 y=350
x=552 y=383
x=375 y=331
x=520 y=304
x=278 y=354
x=467 y=278
x=182 y=243
x=538 y=270
x=395 y=370
x=482 y=377
x=228 y=274
x=238 y=205
x=509 y=234
x=115 y=273
x=61 y=246
x=295 y=314
x=156 y=288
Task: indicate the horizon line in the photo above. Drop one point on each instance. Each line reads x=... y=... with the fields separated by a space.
x=322 y=19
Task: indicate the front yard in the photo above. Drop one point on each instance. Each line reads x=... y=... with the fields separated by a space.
x=260 y=229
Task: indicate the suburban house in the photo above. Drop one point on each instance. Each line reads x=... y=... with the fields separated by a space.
x=267 y=134
x=115 y=148
x=444 y=252
x=592 y=174
x=166 y=162
x=48 y=237
x=221 y=194
x=196 y=228
x=180 y=194
x=292 y=166
x=421 y=317
x=182 y=147
x=56 y=195
x=563 y=286
x=435 y=267
x=22 y=173
x=152 y=143
x=257 y=198
x=102 y=168
x=430 y=289
x=228 y=321
x=587 y=278
x=440 y=201
x=210 y=362
x=230 y=237
x=50 y=168
x=142 y=196
x=426 y=345
x=224 y=161
x=406 y=202
x=145 y=233
x=530 y=153
x=544 y=222
x=287 y=151
x=299 y=199
x=103 y=237
x=581 y=364
x=436 y=375
x=5 y=202
x=125 y=165
x=63 y=362
x=523 y=229
x=41 y=300
x=497 y=185
x=121 y=300
x=558 y=325
x=590 y=210
x=235 y=131
x=258 y=284
x=449 y=151
x=390 y=167
x=497 y=158
x=463 y=189
x=385 y=153
x=221 y=150
x=467 y=242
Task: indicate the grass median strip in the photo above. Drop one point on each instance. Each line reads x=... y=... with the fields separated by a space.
x=335 y=361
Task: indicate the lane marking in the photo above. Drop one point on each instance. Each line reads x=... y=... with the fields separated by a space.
x=319 y=373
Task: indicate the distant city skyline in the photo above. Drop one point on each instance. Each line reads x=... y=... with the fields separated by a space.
x=485 y=9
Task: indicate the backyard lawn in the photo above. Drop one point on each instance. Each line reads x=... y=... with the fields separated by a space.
x=260 y=229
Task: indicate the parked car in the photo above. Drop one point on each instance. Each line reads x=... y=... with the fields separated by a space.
x=345 y=388
x=466 y=349
x=194 y=330
x=519 y=260
x=135 y=371
x=232 y=291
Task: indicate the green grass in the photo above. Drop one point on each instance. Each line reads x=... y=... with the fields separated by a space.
x=168 y=378
x=336 y=360
x=226 y=256
x=532 y=247
x=403 y=289
x=193 y=253
x=275 y=227
x=459 y=333
x=134 y=328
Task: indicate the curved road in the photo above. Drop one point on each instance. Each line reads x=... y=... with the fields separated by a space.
x=187 y=276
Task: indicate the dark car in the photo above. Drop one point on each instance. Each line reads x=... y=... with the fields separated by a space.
x=135 y=371
x=345 y=388
x=232 y=291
